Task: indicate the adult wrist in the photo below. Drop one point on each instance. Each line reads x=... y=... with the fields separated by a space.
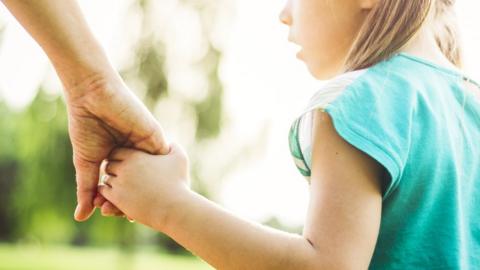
x=93 y=84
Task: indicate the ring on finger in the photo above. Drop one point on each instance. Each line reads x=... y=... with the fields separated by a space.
x=104 y=180
x=131 y=220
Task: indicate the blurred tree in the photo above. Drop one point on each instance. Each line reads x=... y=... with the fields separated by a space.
x=42 y=179
x=45 y=188
x=150 y=69
x=37 y=187
x=35 y=153
x=201 y=109
x=8 y=171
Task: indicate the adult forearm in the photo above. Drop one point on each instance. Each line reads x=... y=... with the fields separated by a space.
x=229 y=242
x=59 y=27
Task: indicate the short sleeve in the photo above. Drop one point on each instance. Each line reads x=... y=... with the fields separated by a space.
x=374 y=114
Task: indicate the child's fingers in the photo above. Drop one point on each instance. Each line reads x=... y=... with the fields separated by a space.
x=108 y=209
x=120 y=154
x=112 y=168
x=99 y=200
x=111 y=210
x=106 y=191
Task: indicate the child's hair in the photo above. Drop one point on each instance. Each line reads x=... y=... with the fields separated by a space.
x=392 y=24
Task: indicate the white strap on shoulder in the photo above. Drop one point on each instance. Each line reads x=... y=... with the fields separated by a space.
x=332 y=89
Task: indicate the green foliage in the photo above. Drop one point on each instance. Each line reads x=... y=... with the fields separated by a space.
x=45 y=187
x=209 y=111
x=37 y=177
x=8 y=172
x=60 y=257
x=33 y=147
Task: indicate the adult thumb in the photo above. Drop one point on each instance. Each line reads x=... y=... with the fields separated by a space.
x=87 y=174
x=155 y=143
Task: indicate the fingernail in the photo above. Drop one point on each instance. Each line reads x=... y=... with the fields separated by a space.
x=77 y=210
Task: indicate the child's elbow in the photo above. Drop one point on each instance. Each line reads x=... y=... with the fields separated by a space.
x=310 y=258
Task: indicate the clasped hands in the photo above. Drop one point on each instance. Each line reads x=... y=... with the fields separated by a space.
x=147 y=175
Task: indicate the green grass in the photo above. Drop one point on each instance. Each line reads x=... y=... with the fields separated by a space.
x=19 y=257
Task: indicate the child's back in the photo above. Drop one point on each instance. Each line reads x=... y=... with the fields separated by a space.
x=422 y=123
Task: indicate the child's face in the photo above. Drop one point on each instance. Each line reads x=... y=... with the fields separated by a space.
x=325 y=30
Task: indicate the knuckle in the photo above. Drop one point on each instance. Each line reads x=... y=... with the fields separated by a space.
x=134 y=154
x=114 y=153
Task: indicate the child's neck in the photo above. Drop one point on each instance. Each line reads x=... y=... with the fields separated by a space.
x=424 y=45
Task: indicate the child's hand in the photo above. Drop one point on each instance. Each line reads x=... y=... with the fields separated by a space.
x=145 y=186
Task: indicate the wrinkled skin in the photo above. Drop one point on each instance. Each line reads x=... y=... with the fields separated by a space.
x=104 y=114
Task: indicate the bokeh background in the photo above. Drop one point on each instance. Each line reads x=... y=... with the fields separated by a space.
x=220 y=77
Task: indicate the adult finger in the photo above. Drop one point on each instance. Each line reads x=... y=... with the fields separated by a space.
x=87 y=179
x=130 y=117
x=155 y=143
x=144 y=130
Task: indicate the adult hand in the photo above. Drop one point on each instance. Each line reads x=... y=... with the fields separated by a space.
x=104 y=114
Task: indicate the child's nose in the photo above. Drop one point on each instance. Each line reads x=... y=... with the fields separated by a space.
x=284 y=15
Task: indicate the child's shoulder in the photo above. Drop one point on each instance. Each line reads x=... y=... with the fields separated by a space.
x=388 y=78
x=364 y=106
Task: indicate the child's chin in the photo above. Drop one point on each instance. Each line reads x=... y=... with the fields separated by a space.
x=321 y=73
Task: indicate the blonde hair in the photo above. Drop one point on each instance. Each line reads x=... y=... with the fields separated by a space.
x=392 y=23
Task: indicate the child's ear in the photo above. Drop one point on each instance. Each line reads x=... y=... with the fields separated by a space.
x=367 y=4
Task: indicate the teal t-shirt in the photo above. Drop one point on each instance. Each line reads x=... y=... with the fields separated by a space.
x=421 y=122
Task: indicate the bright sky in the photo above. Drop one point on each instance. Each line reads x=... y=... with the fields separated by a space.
x=264 y=84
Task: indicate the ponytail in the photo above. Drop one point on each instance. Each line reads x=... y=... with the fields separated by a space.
x=446 y=31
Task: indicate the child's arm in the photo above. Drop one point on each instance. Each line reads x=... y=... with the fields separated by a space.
x=340 y=232
x=226 y=241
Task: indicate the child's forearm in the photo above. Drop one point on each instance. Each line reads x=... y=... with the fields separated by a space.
x=228 y=242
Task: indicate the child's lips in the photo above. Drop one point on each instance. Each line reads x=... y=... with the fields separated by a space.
x=297 y=47
x=299 y=53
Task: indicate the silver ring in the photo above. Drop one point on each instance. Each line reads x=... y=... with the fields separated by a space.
x=131 y=220
x=103 y=180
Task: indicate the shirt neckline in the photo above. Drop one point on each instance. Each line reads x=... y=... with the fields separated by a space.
x=454 y=72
